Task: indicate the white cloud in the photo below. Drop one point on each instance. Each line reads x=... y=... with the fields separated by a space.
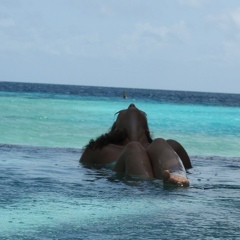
x=145 y=36
x=232 y=48
x=235 y=16
x=229 y=24
x=222 y=20
x=191 y=3
x=181 y=31
x=151 y=38
x=106 y=11
x=7 y=22
x=226 y=20
x=38 y=40
x=77 y=45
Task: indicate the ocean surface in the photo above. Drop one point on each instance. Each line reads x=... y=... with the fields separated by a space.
x=46 y=194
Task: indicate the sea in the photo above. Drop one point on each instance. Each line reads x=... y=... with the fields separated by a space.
x=45 y=193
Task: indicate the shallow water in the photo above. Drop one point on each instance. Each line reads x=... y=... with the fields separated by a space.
x=65 y=120
x=46 y=194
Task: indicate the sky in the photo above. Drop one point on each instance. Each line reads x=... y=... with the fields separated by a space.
x=190 y=45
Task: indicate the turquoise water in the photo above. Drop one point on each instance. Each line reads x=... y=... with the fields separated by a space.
x=69 y=121
x=46 y=194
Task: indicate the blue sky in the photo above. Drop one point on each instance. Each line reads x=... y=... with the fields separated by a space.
x=191 y=45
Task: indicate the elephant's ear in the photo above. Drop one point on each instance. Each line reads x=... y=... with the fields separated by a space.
x=182 y=153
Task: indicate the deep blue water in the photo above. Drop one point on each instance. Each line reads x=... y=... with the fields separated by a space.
x=162 y=96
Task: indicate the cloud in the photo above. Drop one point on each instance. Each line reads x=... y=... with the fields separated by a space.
x=235 y=16
x=229 y=24
x=151 y=38
x=7 y=22
x=221 y=21
x=226 y=20
x=191 y=3
x=44 y=41
x=106 y=11
x=77 y=45
x=181 y=31
x=232 y=48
